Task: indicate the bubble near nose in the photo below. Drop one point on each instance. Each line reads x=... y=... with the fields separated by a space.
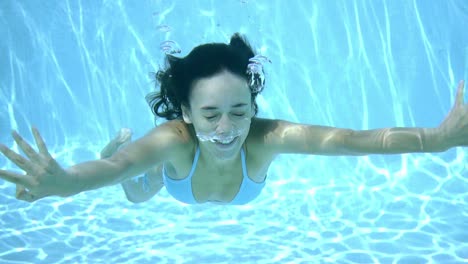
x=214 y=136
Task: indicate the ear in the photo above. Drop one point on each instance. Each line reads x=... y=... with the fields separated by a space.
x=186 y=114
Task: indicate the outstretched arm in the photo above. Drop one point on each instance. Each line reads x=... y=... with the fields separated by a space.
x=286 y=137
x=45 y=177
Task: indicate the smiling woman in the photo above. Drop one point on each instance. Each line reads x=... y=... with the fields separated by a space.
x=214 y=93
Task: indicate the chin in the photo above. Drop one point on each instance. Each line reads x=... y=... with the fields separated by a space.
x=227 y=151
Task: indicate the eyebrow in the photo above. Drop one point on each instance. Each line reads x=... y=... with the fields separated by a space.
x=232 y=106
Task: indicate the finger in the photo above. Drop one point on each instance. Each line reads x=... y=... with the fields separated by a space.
x=19 y=160
x=23 y=194
x=52 y=164
x=16 y=178
x=459 y=100
x=40 y=143
x=27 y=149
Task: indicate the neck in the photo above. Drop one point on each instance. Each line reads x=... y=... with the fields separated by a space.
x=210 y=158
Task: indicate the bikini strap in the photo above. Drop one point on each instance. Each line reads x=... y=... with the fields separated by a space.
x=194 y=163
x=244 y=165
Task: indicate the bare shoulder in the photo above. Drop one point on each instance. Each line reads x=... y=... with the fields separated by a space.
x=163 y=143
x=261 y=127
x=174 y=134
x=264 y=135
x=275 y=136
x=280 y=136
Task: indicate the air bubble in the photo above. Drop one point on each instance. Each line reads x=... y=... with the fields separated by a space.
x=260 y=59
x=255 y=71
x=164 y=28
x=169 y=47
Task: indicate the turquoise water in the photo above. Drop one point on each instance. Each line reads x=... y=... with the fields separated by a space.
x=79 y=70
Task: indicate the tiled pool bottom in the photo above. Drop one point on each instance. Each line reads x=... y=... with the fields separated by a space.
x=305 y=215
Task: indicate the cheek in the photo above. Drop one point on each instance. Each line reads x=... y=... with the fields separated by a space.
x=246 y=128
x=202 y=126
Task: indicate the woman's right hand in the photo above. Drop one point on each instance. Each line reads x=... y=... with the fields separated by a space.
x=44 y=176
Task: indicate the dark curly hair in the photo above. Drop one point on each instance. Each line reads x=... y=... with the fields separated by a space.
x=175 y=81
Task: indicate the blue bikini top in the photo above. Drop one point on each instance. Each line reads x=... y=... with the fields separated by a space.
x=182 y=189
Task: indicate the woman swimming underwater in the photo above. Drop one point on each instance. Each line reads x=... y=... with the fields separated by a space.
x=213 y=148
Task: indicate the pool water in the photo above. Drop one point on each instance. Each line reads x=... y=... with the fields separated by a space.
x=79 y=71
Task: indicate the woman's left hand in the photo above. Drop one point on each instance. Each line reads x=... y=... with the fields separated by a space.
x=453 y=131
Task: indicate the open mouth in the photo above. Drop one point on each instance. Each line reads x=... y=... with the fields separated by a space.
x=226 y=142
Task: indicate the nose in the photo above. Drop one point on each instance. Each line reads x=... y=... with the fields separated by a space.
x=224 y=125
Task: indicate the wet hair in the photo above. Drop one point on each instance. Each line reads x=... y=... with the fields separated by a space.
x=177 y=78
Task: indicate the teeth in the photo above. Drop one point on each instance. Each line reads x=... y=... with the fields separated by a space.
x=225 y=141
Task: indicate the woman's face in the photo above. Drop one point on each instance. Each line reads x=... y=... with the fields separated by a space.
x=220 y=111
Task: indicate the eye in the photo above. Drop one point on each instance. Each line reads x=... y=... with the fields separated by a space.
x=239 y=114
x=210 y=117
